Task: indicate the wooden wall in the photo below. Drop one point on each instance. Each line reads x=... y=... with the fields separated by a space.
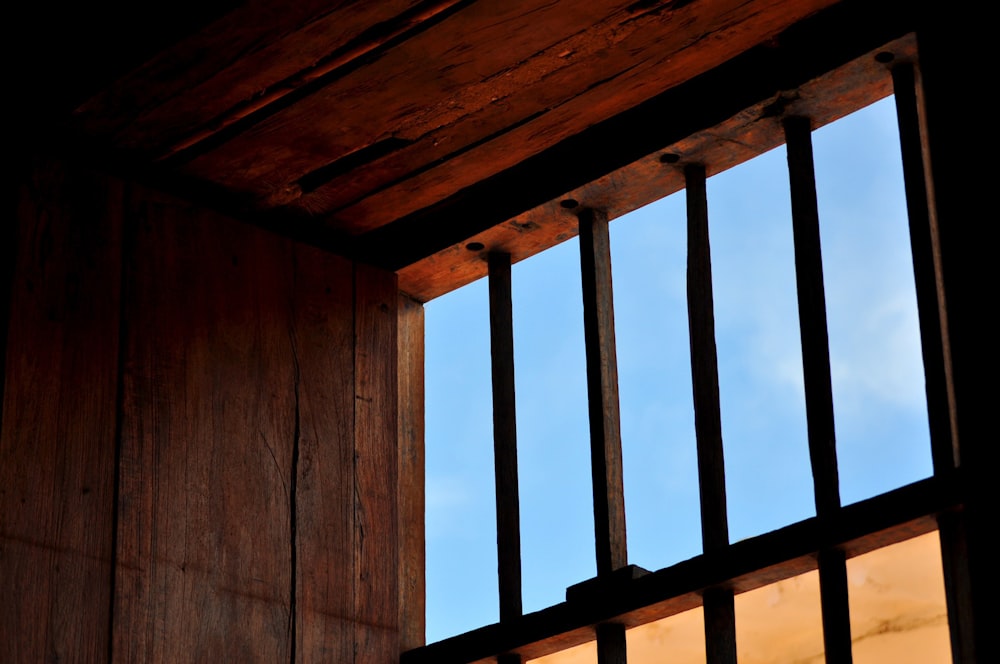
x=200 y=421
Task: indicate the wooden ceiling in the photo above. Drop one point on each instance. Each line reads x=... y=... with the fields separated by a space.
x=400 y=131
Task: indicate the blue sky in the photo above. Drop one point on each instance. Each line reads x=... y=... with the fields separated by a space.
x=875 y=358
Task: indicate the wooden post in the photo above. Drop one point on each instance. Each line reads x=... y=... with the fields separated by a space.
x=602 y=392
x=505 y=437
x=720 y=626
x=818 y=386
x=605 y=425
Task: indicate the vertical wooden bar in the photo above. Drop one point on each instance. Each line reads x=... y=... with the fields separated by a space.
x=818 y=384
x=602 y=392
x=611 y=644
x=812 y=315
x=412 y=617
x=926 y=272
x=704 y=366
x=505 y=436
x=605 y=423
x=720 y=625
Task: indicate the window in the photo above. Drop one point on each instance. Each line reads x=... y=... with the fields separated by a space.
x=815 y=551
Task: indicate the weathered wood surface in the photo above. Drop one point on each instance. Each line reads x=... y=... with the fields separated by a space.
x=376 y=552
x=705 y=366
x=208 y=442
x=57 y=444
x=429 y=250
x=602 y=392
x=322 y=331
x=412 y=617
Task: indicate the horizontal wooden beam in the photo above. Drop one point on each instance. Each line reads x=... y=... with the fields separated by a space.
x=746 y=565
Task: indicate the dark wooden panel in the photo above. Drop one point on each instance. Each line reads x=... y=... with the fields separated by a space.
x=59 y=412
x=412 y=616
x=204 y=542
x=533 y=77
x=376 y=553
x=254 y=55
x=322 y=333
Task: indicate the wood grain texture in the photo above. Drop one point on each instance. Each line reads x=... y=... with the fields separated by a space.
x=322 y=330
x=412 y=615
x=376 y=552
x=204 y=541
x=602 y=392
x=57 y=443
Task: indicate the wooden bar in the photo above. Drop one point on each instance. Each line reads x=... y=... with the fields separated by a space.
x=835 y=608
x=924 y=245
x=812 y=315
x=376 y=584
x=720 y=619
x=611 y=644
x=602 y=392
x=704 y=366
x=505 y=436
x=818 y=384
x=720 y=625
x=57 y=436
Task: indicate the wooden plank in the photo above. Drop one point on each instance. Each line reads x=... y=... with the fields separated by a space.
x=637 y=137
x=205 y=555
x=57 y=441
x=925 y=246
x=321 y=336
x=602 y=392
x=746 y=565
x=248 y=55
x=705 y=366
x=505 y=436
x=376 y=588
x=538 y=98
x=720 y=617
x=412 y=615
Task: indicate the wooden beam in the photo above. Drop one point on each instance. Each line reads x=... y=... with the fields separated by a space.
x=705 y=367
x=505 y=437
x=602 y=392
x=818 y=383
x=720 y=619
